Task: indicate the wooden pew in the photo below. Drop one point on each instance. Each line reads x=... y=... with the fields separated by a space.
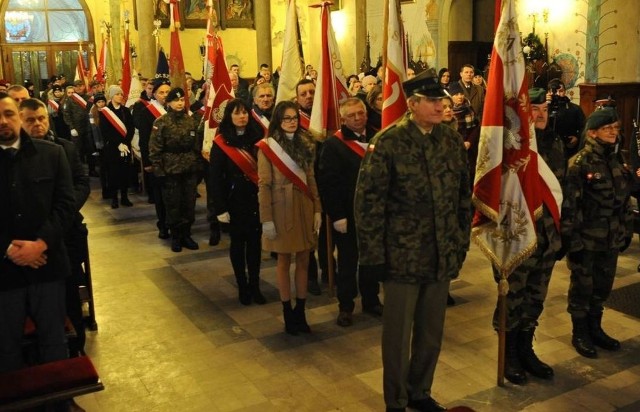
x=48 y=383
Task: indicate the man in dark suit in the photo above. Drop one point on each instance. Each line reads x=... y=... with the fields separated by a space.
x=473 y=92
x=36 y=210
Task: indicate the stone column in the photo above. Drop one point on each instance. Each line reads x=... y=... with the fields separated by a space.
x=262 y=18
x=115 y=50
x=147 y=54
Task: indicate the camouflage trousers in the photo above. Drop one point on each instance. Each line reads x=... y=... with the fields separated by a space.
x=528 y=286
x=179 y=195
x=592 y=275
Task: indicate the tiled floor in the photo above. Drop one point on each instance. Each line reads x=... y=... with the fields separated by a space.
x=173 y=337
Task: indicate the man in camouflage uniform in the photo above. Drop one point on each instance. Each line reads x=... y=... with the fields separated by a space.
x=412 y=212
x=529 y=282
x=596 y=226
x=174 y=155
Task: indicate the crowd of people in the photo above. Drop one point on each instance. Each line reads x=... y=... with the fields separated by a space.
x=385 y=198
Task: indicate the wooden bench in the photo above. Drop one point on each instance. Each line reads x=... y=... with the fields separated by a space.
x=48 y=383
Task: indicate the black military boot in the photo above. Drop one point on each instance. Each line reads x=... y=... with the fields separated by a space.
x=163 y=231
x=289 y=322
x=528 y=357
x=176 y=241
x=124 y=199
x=513 y=370
x=254 y=286
x=188 y=242
x=299 y=316
x=214 y=236
x=581 y=339
x=598 y=336
x=244 y=292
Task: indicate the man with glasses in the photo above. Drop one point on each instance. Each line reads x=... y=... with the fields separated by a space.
x=412 y=210
x=596 y=227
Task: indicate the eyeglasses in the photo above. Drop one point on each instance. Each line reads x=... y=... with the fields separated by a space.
x=289 y=119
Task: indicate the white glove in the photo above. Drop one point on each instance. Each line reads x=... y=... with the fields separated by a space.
x=224 y=217
x=269 y=230
x=340 y=225
x=317 y=222
x=124 y=150
x=74 y=133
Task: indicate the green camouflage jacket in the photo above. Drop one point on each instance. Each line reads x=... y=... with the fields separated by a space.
x=173 y=145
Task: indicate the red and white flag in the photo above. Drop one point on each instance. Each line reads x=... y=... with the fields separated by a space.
x=219 y=89
x=512 y=181
x=93 y=68
x=126 y=62
x=394 y=105
x=101 y=74
x=176 y=61
x=292 y=59
x=81 y=70
x=331 y=85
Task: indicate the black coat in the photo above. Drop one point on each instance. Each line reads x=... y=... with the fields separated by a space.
x=38 y=202
x=143 y=121
x=232 y=190
x=113 y=138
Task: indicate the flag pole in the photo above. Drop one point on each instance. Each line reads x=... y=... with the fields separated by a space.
x=385 y=34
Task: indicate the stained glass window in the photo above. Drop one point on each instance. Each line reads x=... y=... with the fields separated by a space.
x=42 y=21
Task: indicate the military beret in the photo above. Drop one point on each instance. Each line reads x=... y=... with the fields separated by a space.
x=99 y=97
x=175 y=94
x=455 y=88
x=601 y=118
x=537 y=95
x=57 y=88
x=159 y=82
x=425 y=84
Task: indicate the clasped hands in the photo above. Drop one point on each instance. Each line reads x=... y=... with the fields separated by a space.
x=124 y=150
x=27 y=253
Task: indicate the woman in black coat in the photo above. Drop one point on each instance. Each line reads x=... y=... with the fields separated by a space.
x=234 y=183
x=116 y=127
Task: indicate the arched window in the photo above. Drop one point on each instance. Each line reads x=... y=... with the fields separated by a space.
x=42 y=38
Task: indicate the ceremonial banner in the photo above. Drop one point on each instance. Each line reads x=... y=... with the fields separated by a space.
x=395 y=102
x=176 y=62
x=331 y=85
x=126 y=61
x=81 y=70
x=101 y=74
x=292 y=59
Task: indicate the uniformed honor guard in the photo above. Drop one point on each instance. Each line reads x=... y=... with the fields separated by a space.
x=412 y=212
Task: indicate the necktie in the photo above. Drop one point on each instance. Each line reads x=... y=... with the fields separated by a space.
x=11 y=151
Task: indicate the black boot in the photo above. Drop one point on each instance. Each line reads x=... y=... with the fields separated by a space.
x=124 y=199
x=299 y=316
x=254 y=286
x=289 y=323
x=598 y=336
x=114 y=202
x=528 y=357
x=513 y=370
x=176 y=241
x=581 y=339
x=188 y=242
x=214 y=236
x=244 y=292
x=163 y=232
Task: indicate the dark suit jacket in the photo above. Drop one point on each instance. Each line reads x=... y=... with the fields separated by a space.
x=39 y=203
x=475 y=95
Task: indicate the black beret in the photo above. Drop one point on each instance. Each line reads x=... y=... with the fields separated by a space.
x=175 y=94
x=98 y=97
x=455 y=88
x=57 y=87
x=159 y=82
x=425 y=84
x=537 y=95
x=601 y=118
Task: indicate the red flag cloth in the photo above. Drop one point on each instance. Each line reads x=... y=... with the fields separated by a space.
x=330 y=85
x=80 y=70
x=176 y=62
x=101 y=74
x=126 y=64
x=292 y=61
x=512 y=181
x=395 y=102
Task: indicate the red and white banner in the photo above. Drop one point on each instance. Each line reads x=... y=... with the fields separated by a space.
x=292 y=60
x=176 y=61
x=101 y=74
x=240 y=157
x=81 y=70
x=394 y=105
x=512 y=181
x=285 y=164
x=357 y=147
x=126 y=63
x=331 y=85
x=114 y=120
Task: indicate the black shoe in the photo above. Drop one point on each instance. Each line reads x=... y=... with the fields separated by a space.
x=126 y=202
x=450 y=300
x=114 y=204
x=584 y=346
x=214 y=237
x=528 y=358
x=190 y=243
x=299 y=316
x=244 y=294
x=598 y=336
x=163 y=233
x=513 y=370
x=314 y=288
x=426 y=405
x=345 y=319
x=375 y=310
x=176 y=245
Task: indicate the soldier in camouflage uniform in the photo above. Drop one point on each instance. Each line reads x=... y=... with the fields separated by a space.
x=596 y=226
x=174 y=154
x=529 y=282
x=412 y=212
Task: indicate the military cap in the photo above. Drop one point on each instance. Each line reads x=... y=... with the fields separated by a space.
x=537 y=95
x=57 y=88
x=605 y=101
x=425 y=84
x=99 y=97
x=175 y=94
x=159 y=82
x=455 y=88
x=113 y=90
x=601 y=118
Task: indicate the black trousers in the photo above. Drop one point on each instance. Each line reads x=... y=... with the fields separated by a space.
x=348 y=280
x=245 y=252
x=161 y=211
